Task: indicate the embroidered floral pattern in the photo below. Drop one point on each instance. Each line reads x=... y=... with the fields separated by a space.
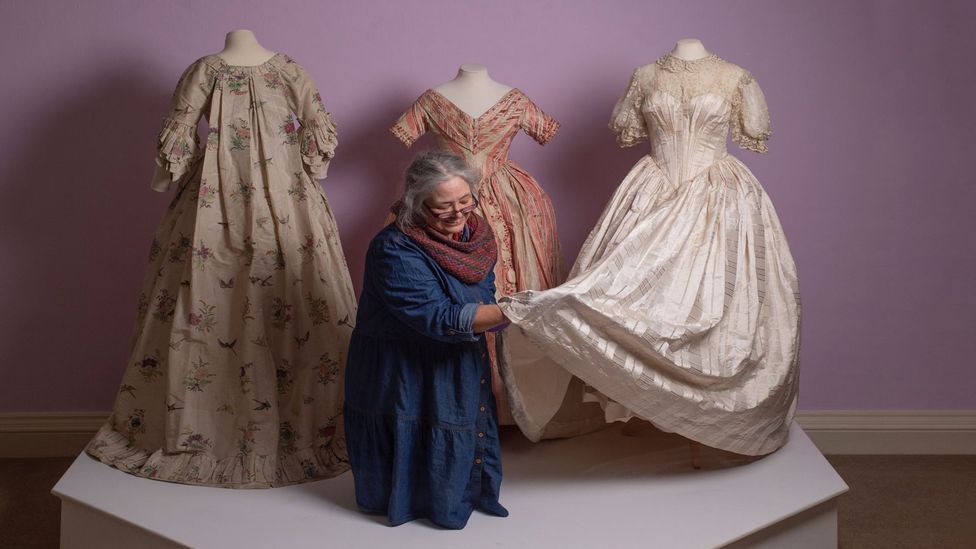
x=195 y=442
x=240 y=137
x=178 y=249
x=280 y=313
x=150 y=367
x=236 y=82
x=205 y=317
x=287 y=437
x=297 y=189
x=243 y=192
x=213 y=138
x=154 y=250
x=136 y=422
x=328 y=369
x=272 y=79
x=284 y=377
x=165 y=306
x=245 y=444
x=201 y=255
x=290 y=130
x=198 y=377
x=308 y=247
x=318 y=309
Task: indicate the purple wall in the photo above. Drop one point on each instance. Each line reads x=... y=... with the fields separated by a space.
x=872 y=107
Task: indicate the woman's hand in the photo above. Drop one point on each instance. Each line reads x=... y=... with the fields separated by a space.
x=487 y=317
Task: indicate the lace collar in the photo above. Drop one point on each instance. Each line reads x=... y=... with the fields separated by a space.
x=671 y=63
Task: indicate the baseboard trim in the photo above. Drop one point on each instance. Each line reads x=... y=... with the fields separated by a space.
x=47 y=434
x=64 y=434
x=891 y=431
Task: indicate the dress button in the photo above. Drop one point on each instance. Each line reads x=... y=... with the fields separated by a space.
x=482 y=408
x=481 y=435
x=477 y=460
x=482 y=381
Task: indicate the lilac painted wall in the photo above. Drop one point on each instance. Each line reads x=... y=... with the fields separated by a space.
x=873 y=118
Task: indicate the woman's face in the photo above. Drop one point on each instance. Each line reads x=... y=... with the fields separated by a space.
x=442 y=207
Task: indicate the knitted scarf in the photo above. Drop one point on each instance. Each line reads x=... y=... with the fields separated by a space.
x=469 y=261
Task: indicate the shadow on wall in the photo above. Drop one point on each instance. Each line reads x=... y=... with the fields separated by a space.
x=72 y=274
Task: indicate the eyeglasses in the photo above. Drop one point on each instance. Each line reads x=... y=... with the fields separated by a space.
x=452 y=212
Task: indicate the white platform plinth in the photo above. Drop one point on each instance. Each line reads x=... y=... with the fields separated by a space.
x=600 y=490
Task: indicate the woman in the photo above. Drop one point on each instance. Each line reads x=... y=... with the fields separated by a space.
x=420 y=416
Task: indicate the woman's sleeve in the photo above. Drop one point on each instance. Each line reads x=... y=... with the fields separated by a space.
x=407 y=286
x=411 y=124
x=750 y=122
x=627 y=122
x=318 y=137
x=537 y=124
x=177 y=144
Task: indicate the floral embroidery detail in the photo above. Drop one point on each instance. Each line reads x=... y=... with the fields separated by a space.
x=284 y=377
x=310 y=147
x=206 y=195
x=178 y=249
x=136 y=422
x=273 y=80
x=248 y=252
x=246 y=313
x=328 y=369
x=280 y=313
x=244 y=378
x=327 y=431
x=319 y=105
x=240 y=138
x=309 y=469
x=154 y=250
x=150 y=367
x=290 y=130
x=198 y=377
x=245 y=444
x=236 y=82
x=318 y=309
x=142 y=308
x=205 y=318
x=195 y=442
x=275 y=259
x=226 y=408
x=165 y=306
x=213 y=138
x=150 y=470
x=179 y=149
x=128 y=389
x=287 y=437
x=201 y=255
x=307 y=249
x=297 y=189
x=243 y=192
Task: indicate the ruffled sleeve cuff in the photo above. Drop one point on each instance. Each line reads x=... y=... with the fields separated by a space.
x=756 y=144
x=549 y=129
x=402 y=134
x=318 y=144
x=177 y=147
x=628 y=135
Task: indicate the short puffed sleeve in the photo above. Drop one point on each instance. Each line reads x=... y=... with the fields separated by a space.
x=318 y=137
x=178 y=143
x=750 y=122
x=627 y=121
x=537 y=124
x=412 y=124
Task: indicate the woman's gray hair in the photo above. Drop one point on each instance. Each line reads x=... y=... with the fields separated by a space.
x=422 y=177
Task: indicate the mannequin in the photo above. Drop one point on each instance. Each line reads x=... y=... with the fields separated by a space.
x=472 y=90
x=689 y=49
x=241 y=48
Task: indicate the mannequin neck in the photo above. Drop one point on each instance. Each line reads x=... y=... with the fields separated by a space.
x=473 y=75
x=241 y=47
x=689 y=49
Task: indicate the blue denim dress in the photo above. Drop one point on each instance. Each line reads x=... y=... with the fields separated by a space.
x=419 y=414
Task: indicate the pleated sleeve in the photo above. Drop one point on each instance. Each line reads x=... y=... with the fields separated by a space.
x=627 y=122
x=318 y=136
x=750 y=122
x=178 y=143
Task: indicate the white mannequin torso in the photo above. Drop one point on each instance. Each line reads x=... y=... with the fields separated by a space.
x=241 y=48
x=689 y=49
x=472 y=90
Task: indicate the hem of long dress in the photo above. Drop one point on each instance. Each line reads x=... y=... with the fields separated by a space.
x=202 y=469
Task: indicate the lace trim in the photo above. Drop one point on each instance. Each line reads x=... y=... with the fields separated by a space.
x=402 y=134
x=671 y=63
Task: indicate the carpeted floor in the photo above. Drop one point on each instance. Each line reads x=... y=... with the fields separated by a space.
x=894 y=502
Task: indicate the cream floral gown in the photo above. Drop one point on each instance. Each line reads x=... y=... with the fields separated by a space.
x=683 y=305
x=236 y=372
